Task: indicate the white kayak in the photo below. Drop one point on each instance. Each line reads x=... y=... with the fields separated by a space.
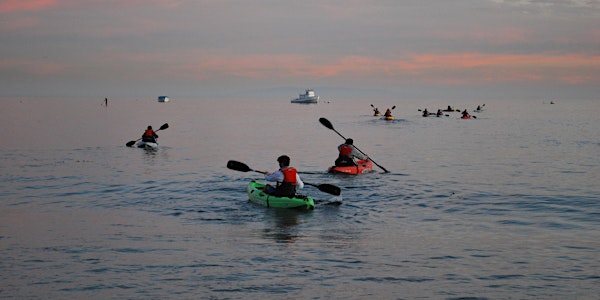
x=147 y=145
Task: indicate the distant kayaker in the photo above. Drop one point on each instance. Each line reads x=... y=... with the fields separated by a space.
x=287 y=179
x=425 y=113
x=388 y=113
x=347 y=154
x=478 y=108
x=149 y=135
x=376 y=112
x=465 y=113
x=439 y=112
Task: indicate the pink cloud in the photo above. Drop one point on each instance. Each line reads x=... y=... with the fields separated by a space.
x=31 y=67
x=444 y=68
x=8 y=6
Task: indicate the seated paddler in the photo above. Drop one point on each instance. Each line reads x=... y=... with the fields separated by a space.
x=347 y=154
x=287 y=179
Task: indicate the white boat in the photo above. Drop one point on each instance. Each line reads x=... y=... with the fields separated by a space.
x=308 y=97
x=163 y=99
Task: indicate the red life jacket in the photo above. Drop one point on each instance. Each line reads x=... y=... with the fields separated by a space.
x=289 y=175
x=345 y=150
x=149 y=132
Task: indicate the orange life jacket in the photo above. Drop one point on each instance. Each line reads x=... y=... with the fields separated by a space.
x=289 y=175
x=149 y=132
x=345 y=150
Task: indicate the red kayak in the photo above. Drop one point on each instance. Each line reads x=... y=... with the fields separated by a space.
x=363 y=166
x=466 y=117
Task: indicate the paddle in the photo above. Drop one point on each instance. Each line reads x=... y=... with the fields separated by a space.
x=163 y=127
x=328 y=124
x=325 y=187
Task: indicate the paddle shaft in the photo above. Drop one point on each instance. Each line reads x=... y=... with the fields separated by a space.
x=242 y=167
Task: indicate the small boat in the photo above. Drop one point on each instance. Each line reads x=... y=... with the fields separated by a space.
x=376 y=114
x=466 y=117
x=163 y=99
x=388 y=118
x=362 y=166
x=256 y=195
x=147 y=145
x=309 y=96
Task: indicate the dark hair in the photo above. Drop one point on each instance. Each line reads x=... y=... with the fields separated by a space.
x=349 y=141
x=284 y=160
x=149 y=127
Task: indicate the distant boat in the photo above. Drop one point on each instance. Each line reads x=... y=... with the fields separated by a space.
x=308 y=97
x=163 y=99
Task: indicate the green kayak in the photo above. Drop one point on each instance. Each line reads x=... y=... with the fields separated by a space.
x=256 y=195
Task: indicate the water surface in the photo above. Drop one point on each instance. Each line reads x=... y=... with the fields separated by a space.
x=504 y=206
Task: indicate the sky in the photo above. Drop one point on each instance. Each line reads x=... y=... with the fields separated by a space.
x=476 y=49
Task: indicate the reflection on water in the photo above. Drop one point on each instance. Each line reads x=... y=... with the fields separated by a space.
x=282 y=225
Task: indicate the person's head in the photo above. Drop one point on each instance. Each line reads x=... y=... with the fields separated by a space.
x=284 y=161
x=149 y=127
x=349 y=141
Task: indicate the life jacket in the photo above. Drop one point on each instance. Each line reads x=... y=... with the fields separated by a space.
x=149 y=132
x=289 y=175
x=287 y=188
x=345 y=150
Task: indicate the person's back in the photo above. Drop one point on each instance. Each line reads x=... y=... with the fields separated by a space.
x=347 y=153
x=287 y=179
x=149 y=135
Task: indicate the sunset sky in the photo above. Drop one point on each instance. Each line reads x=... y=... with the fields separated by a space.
x=541 y=49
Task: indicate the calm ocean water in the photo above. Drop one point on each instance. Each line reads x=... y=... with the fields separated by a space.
x=505 y=206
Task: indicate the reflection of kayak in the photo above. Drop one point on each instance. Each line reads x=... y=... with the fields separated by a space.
x=363 y=166
x=388 y=118
x=147 y=145
x=256 y=195
x=431 y=115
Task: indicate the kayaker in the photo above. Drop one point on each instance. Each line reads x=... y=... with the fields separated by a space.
x=347 y=153
x=149 y=135
x=425 y=113
x=287 y=179
x=388 y=113
x=465 y=113
x=376 y=112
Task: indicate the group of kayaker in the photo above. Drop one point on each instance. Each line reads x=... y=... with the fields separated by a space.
x=288 y=180
x=376 y=113
x=426 y=113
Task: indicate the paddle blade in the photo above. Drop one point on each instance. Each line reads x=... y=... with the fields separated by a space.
x=326 y=123
x=238 y=166
x=330 y=189
x=165 y=126
x=130 y=143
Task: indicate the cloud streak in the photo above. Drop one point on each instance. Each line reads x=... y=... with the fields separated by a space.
x=270 y=43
